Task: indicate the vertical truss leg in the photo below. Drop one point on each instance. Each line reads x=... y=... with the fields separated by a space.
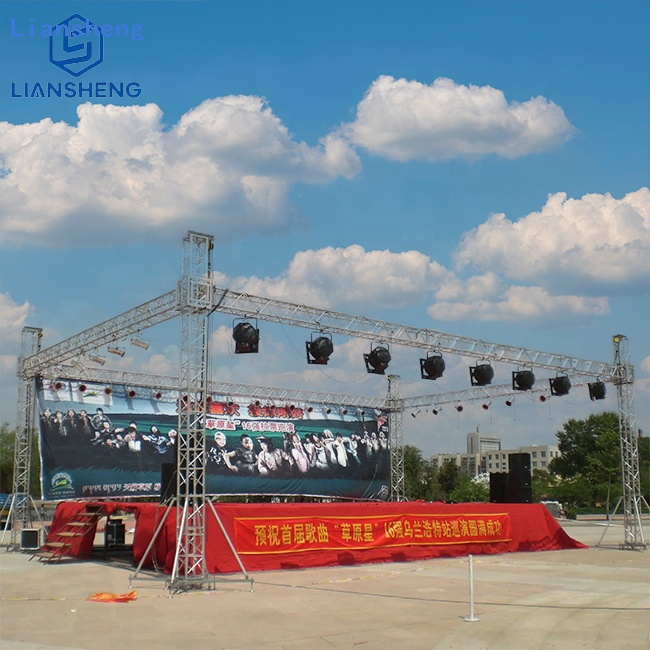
x=22 y=504
x=397 y=490
x=628 y=435
x=194 y=299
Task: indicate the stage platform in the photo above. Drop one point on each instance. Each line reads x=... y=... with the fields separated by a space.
x=280 y=536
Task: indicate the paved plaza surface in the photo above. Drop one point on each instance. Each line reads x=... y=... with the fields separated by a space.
x=596 y=598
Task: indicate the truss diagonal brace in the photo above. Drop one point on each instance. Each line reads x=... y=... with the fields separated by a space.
x=133 y=321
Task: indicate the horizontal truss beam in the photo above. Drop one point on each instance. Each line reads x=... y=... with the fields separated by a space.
x=131 y=322
x=245 y=305
x=297 y=396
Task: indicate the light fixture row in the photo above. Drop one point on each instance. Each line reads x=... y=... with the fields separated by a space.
x=320 y=348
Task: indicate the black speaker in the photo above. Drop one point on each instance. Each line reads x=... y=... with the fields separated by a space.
x=114 y=533
x=167 y=481
x=520 y=481
x=498 y=487
x=519 y=462
x=30 y=539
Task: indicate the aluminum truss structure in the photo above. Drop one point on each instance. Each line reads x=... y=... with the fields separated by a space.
x=397 y=490
x=195 y=297
x=194 y=300
x=20 y=510
x=157 y=383
x=245 y=305
x=628 y=436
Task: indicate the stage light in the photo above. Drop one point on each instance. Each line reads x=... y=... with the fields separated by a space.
x=486 y=406
x=58 y=385
x=435 y=411
x=523 y=380
x=157 y=395
x=310 y=409
x=560 y=385
x=432 y=367
x=139 y=343
x=377 y=360
x=95 y=358
x=82 y=388
x=414 y=414
x=108 y=390
x=542 y=398
x=247 y=338
x=459 y=408
x=510 y=402
x=319 y=350
x=328 y=411
x=114 y=349
x=481 y=374
x=597 y=390
x=131 y=393
x=345 y=411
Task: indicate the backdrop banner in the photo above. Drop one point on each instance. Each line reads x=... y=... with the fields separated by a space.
x=99 y=440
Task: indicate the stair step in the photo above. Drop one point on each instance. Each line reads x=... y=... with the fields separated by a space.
x=70 y=533
x=56 y=544
x=77 y=524
x=46 y=554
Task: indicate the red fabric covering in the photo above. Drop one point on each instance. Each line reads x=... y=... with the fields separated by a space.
x=532 y=528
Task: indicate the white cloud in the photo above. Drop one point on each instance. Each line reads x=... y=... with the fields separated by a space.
x=343 y=278
x=645 y=365
x=349 y=276
x=519 y=303
x=595 y=244
x=121 y=171
x=406 y=120
x=12 y=319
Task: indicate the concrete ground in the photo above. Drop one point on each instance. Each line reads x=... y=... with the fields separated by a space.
x=596 y=598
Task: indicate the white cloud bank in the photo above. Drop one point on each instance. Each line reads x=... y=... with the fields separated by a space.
x=344 y=277
x=121 y=170
x=534 y=268
x=13 y=318
x=408 y=120
x=595 y=244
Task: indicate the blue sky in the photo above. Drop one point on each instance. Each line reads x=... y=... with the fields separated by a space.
x=478 y=168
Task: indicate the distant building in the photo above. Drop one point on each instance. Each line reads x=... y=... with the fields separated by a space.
x=477 y=442
x=484 y=454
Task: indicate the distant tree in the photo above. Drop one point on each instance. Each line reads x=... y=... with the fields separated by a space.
x=448 y=478
x=604 y=467
x=578 y=443
x=414 y=476
x=574 y=492
x=419 y=476
x=7 y=445
x=470 y=489
x=590 y=461
x=543 y=485
x=644 y=466
x=7 y=440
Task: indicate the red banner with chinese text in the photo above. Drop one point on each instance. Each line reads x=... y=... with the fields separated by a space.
x=260 y=535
